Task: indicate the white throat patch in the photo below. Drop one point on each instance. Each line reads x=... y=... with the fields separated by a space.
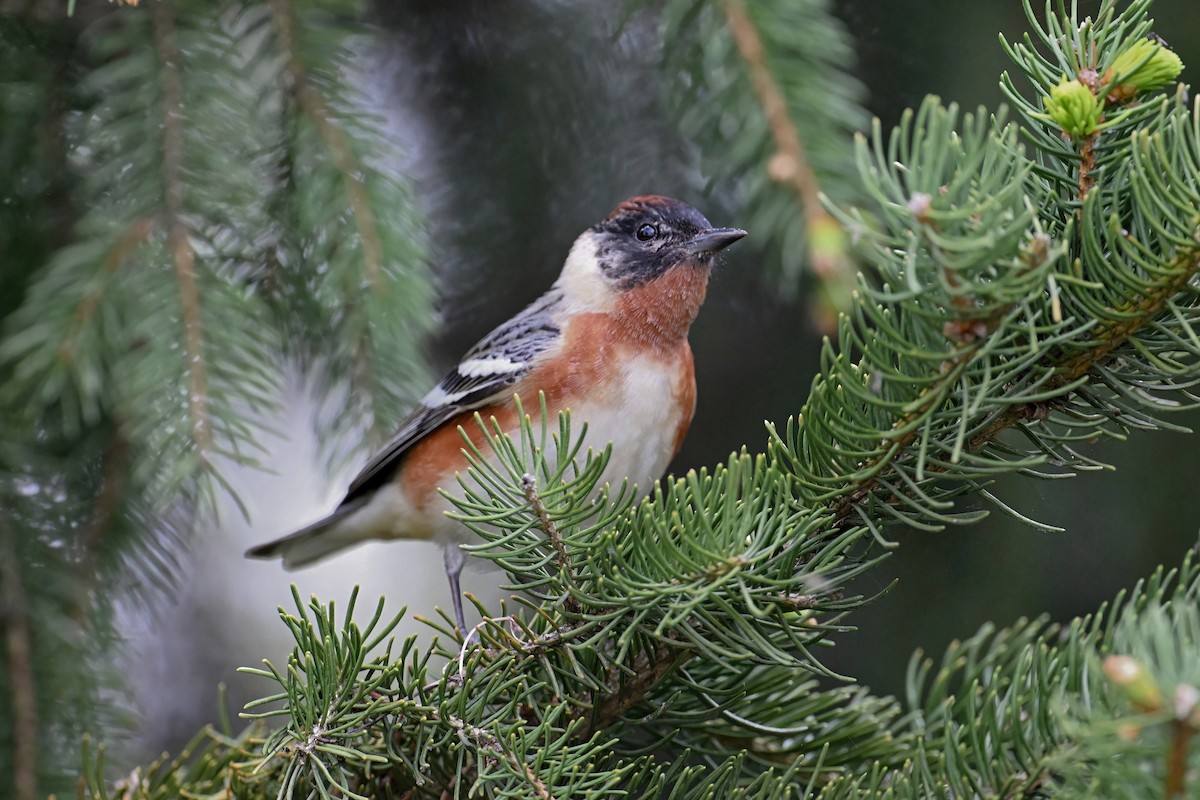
x=584 y=287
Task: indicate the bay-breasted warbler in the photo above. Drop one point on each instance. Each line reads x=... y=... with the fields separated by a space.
x=608 y=341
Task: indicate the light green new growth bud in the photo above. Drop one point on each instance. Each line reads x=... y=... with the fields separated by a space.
x=1134 y=681
x=1145 y=65
x=1074 y=108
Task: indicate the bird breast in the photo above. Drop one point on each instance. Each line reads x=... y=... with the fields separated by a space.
x=645 y=413
x=640 y=399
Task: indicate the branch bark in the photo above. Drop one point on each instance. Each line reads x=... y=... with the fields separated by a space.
x=314 y=107
x=180 y=246
x=649 y=669
x=105 y=508
x=529 y=488
x=791 y=164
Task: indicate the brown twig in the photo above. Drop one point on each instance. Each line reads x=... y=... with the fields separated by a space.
x=1177 y=758
x=177 y=231
x=487 y=742
x=648 y=670
x=312 y=104
x=1087 y=149
x=14 y=614
x=529 y=487
x=790 y=164
x=1087 y=163
x=105 y=507
x=138 y=231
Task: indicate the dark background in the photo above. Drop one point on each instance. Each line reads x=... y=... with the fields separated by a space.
x=533 y=119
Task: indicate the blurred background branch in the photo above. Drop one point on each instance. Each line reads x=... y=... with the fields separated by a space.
x=827 y=254
x=766 y=92
x=152 y=304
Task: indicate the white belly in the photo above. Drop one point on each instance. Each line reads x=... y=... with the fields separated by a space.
x=642 y=424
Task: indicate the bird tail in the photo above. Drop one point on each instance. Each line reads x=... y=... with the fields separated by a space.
x=314 y=542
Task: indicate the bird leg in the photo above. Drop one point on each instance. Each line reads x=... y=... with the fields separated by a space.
x=453 y=557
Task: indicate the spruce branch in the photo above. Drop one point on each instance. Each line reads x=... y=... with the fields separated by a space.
x=624 y=693
x=139 y=340
x=178 y=243
x=354 y=222
x=1137 y=314
x=616 y=683
x=765 y=91
x=529 y=487
x=122 y=249
x=791 y=164
x=314 y=107
x=103 y=516
x=490 y=746
x=350 y=171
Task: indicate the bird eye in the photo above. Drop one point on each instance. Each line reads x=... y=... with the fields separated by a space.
x=647 y=232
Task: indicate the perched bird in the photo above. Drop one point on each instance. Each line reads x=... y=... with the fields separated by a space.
x=607 y=341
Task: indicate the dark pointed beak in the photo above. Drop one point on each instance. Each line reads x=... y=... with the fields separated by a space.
x=711 y=241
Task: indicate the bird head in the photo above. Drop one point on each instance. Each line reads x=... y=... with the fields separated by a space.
x=644 y=240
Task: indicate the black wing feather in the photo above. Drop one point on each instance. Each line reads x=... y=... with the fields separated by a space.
x=518 y=342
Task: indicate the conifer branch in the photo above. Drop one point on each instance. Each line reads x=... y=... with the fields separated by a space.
x=132 y=238
x=178 y=242
x=949 y=372
x=106 y=507
x=141 y=317
x=486 y=742
x=1111 y=335
x=623 y=690
x=790 y=164
x=529 y=488
x=1125 y=321
x=791 y=161
x=649 y=670
x=782 y=67
x=14 y=613
x=318 y=112
x=314 y=107
x=825 y=240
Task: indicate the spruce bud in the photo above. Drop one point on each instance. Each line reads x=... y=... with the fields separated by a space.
x=1143 y=66
x=1074 y=108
